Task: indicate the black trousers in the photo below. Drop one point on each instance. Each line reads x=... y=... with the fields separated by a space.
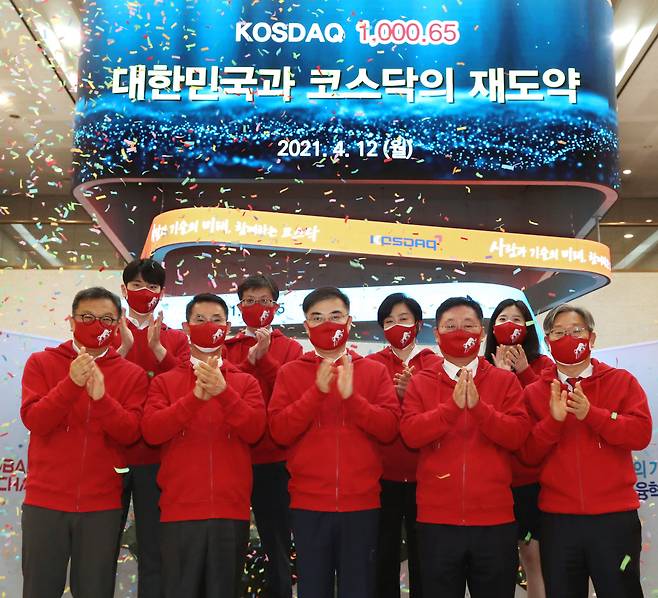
x=335 y=547
x=271 y=505
x=575 y=548
x=203 y=559
x=398 y=509
x=484 y=557
x=52 y=538
x=140 y=484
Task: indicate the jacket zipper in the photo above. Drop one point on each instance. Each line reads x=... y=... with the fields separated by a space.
x=580 y=476
x=464 y=473
x=338 y=432
x=82 y=457
x=212 y=467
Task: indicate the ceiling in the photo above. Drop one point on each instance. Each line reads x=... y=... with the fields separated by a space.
x=42 y=226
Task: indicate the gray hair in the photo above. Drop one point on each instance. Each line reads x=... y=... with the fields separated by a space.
x=563 y=308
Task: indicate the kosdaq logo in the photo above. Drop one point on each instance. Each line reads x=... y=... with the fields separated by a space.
x=469 y=344
x=218 y=335
x=103 y=336
x=515 y=335
x=264 y=316
x=336 y=338
x=579 y=350
x=406 y=337
x=288 y=32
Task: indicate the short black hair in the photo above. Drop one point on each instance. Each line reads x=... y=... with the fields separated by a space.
x=205 y=298
x=151 y=271
x=456 y=302
x=95 y=293
x=530 y=344
x=324 y=293
x=391 y=301
x=259 y=281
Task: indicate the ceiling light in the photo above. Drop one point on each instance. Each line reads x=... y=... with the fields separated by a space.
x=627 y=171
x=622 y=36
x=5 y=98
x=629 y=236
x=649 y=220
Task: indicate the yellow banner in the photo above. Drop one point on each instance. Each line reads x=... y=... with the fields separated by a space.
x=297 y=232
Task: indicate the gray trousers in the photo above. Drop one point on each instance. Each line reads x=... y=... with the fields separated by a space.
x=52 y=538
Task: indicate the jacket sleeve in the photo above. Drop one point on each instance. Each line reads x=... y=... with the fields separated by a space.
x=244 y=411
x=163 y=419
x=120 y=418
x=628 y=428
x=290 y=415
x=545 y=432
x=178 y=351
x=379 y=416
x=509 y=426
x=419 y=426
x=527 y=377
x=42 y=407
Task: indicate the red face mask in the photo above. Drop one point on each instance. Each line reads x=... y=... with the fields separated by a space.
x=459 y=343
x=401 y=336
x=570 y=350
x=209 y=336
x=143 y=301
x=328 y=335
x=94 y=335
x=510 y=333
x=257 y=315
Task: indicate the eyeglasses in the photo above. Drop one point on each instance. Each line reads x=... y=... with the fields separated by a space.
x=558 y=333
x=266 y=302
x=465 y=327
x=335 y=318
x=90 y=319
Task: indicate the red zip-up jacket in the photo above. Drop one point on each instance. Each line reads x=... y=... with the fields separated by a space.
x=399 y=461
x=588 y=465
x=282 y=350
x=205 y=471
x=522 y=475
x=333 y=443
x=178 y=351
x=76 y=444
x=464 y=471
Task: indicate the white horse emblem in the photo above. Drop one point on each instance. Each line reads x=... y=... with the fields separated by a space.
x=579 y=350
x=218 y=335
x=264 y=316
x=103 y=336
x=469 y=344
x=406 y=337
x=335 y=339
x=515 y=335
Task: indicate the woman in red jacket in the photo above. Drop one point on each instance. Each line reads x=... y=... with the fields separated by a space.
x=401 y=318
x=513 y=345
x=589 y=417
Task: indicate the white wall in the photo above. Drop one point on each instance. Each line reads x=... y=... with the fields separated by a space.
x=38 y=301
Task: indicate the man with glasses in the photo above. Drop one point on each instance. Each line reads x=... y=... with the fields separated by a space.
x=588 y=418
x=156 y=348
x=205 y=414
x=82 y=404
x=331 y=408
x=466 y=417
x=260 y=351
